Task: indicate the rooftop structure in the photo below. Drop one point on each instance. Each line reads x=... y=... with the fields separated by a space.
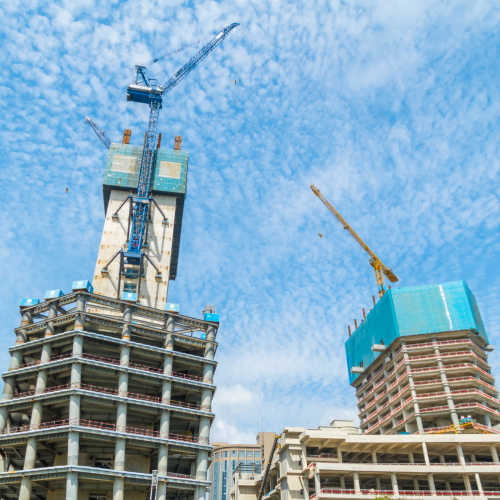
x=419 y=362
x=100 y=403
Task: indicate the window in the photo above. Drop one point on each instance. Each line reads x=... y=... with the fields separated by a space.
x=233 y=453
x=224 y=476
x=130 y=288
x=233 y=464
x=249 y=454
x=256 y=454
x=217 y=455
x=241 y=454
x=216 y=479
x=224 y=454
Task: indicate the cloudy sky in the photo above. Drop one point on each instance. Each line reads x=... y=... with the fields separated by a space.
x=390 y=107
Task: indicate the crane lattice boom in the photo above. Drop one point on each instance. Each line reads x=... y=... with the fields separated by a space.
x=100 y=133
x=379 y=267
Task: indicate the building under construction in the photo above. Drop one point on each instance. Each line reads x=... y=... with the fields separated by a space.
x=109 y=390
x=428 y=406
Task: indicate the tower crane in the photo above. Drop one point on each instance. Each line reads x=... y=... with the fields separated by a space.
x=144 y=91
x=378 y=266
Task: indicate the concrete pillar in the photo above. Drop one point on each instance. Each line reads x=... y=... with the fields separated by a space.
x=374 y=457
x=339 y=454
x=479 y=485
x=357 y=487
x=394 y=480
x=411 y=458
x=72 y=486
x=432 y=486
x=460 y=454
x=201 y=465
x=416 y=486
x=442 y=459
x=25 y=490
x=342 y=482
x=49 y=326
x=494 y=453
x=317 y=482
x=467 y=483
x=22 y=334
x=76 y=368
x=80 y=311
x=161 y=490
x=377 y=483
x=413 y=392
x=446 y=386
x=118 y=487
x=447 y=485
x=127 y=318
x=426 y=455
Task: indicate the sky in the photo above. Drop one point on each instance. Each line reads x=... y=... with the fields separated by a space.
x=390 y=107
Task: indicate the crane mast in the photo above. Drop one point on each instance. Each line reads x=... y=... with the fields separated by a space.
x=378 y=266
x=143 y=91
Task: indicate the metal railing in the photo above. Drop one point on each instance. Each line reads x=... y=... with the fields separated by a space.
x=112 y=361
x=99 y=425
x=452 y=493
x=107 y=390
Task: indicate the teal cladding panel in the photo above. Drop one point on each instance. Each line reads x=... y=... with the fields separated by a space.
x=170 y=173
x=379 y=326
x=403 y=312
x=177 y=182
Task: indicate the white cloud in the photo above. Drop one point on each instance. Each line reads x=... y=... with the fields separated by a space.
x=390 y=107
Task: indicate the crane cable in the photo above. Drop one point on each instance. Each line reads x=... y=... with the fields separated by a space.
x=181 y=49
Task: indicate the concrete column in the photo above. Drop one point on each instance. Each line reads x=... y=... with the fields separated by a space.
x=201 y=465
x=80 y=312
x=342 y=482
x=76 y=368
x=317 y=482
x=127 y=318
x=377 y=483
x=468 y=487
x=432 y=486
x=22 y=334
x=442 y=459
x=374 y=457
x=416 y=486
x=394 y=480
x=494 y=453
x=413 y=393
x=460 y=454
x=479 y=485
x=118 y=487
x=411 y=458
x=161 y=490
x=339 y=454
x=446 y=386
x=426 y=455
x=447 y=485
x=357 y=487
x=72 y=486
x=25 y=490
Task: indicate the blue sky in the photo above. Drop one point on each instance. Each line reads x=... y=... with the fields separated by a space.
x=390 y=107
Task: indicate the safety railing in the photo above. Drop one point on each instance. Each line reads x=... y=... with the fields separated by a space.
x=324 y=455
x=107 y=390
x=183 y=476
x=416 y=358
x=414 y=493
x=428 y=369
x=99 y=425
x=115 y=362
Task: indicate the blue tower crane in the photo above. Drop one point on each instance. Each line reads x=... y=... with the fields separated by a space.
x=143 y=91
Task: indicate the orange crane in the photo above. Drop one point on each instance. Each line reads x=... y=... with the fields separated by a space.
x=378 y=266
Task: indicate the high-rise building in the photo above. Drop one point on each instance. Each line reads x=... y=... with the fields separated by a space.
x=108 y=394
x=227 y=457
x=428 y=404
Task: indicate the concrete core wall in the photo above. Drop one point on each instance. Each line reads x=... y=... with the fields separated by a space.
x=153 y=292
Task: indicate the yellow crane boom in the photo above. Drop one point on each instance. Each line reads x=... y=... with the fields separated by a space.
x=378 y=266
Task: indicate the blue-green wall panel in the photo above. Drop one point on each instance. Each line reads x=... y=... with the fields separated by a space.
x=408 y=311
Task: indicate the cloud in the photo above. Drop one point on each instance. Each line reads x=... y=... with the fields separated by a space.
x=391 y=108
